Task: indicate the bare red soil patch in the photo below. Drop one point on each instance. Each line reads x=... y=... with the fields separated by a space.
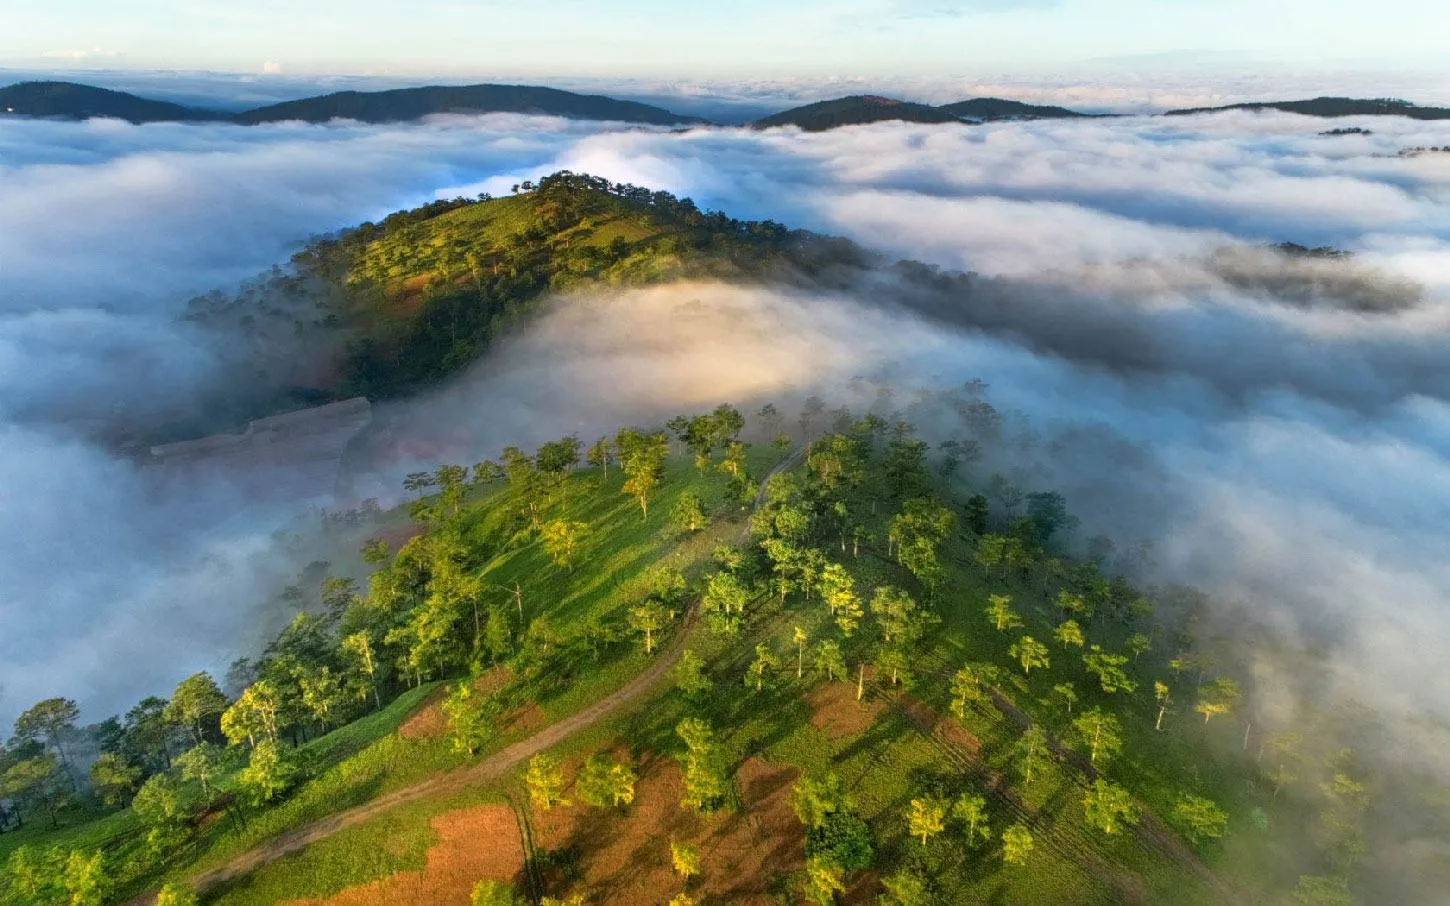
x=428 y=720
x=836 y=713
x=622 y=856
x=945 y=727
x=474 y=844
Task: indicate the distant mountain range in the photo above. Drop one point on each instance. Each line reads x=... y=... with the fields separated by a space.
x=69 y=100
x=1330 y=108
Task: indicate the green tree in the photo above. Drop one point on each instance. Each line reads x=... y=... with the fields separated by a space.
x=641 y=457
x=269 y=773
x=759 y=673
x=159 y=807
x=838 y=590
x=86 y=880
x=690 y=675
x=905 y=888
x=1108 y=807
x=599 y=455
x=724 y=601
x=49 y=721
x=823 y=879
x=545 y=779
x=1000 y=612
x=688 y=513
x=494 y=893
x=470 y=723
x=1199 y=818
x=969 y=689
x=1068 y=633
x=201 y=764
x=1031 y=752
x=179 y=894
x=562 y=540
x=1030 y=653
x=704 y=776
x=359 y=647
x=926 y=817
x=253 y=714
x=829 y=661
x=1164 y=698
x=604 y=782
x=686 y=859
x=647 y=618
x=1099 y=735
x=114 y=779
x=1017 y=845
x=196 y=698
x=1109 y=670
x=38 y=781
x=971 y=810
x=1216 y=697
x=321 y=694
x=1067 y=694
x=816 y=799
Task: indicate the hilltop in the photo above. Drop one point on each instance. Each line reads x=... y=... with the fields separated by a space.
x=415 y=103
x=70 y=100
x=854 y=111
x=993 y=109
x=391 y=307
x=1332 y=107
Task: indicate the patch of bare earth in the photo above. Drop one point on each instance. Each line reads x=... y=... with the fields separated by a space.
x=837 y=714
x=621 y=857
x=428 y=720
x=474 y=844
x=943 y=727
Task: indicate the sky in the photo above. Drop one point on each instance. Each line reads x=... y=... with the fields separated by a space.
x=740 y=39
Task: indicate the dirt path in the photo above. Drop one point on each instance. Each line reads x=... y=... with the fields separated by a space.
x=488 y=769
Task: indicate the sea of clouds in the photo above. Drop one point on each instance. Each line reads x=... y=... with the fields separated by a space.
x=1278 y=430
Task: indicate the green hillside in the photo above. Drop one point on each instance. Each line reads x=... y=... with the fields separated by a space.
x=69 y=100
x=415 y=103
x=856 y=110
x=405 y=302
x=944 y=702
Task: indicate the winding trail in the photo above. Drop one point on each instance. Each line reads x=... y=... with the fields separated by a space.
x=490 y=768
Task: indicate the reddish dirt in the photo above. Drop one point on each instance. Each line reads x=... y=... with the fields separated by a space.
x=428 y=720
x=942 y=726
x=622 y=856
x=473 y=845
x=527 y=719
x=836 y=713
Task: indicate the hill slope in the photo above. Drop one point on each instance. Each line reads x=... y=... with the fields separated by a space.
x=414 y=103
x=854 y=111
x=71 y=100
x=1331 y=107
x=989 y=109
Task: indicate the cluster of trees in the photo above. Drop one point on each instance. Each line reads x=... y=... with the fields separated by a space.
x=867 y=489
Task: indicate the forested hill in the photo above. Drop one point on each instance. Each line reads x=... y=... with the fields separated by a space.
x=1331 y=107
x=403 y=303
x=991 y=109
x=855 y=111
x=415 y=103
x=69 y=100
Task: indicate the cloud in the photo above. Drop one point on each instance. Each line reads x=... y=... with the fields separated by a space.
x=80 y=56
x=272 y=67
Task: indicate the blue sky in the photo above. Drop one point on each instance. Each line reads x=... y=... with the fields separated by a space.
x=728 y=39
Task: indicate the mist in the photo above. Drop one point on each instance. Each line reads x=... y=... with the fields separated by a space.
x=1277 y=428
